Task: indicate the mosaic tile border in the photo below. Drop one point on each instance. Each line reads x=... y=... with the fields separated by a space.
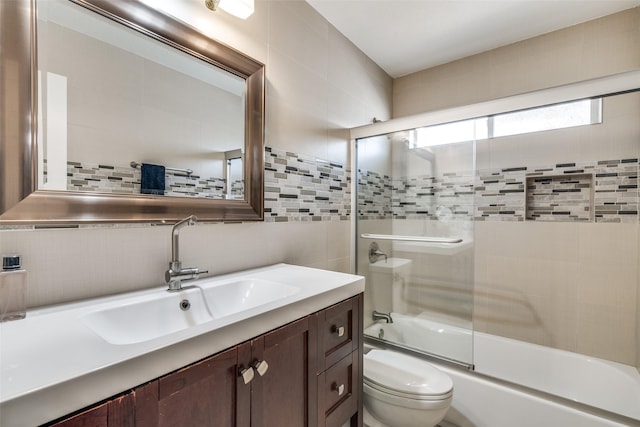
x=302 y=188
x=374 y=195
x=380 y=197
x=501 y=195
x=559 y=197
x=297 y=187
x=126 y=180
x=600 y=191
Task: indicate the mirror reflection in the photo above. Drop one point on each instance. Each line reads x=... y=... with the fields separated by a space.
x=121 y=113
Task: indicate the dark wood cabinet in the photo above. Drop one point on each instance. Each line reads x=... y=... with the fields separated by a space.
x=307 y=373
x=95 y=417
x=192 y=396
x=282 y=396
x=116 y=412
x=339 y=364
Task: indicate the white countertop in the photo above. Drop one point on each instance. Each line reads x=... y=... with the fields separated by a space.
x=53 y=364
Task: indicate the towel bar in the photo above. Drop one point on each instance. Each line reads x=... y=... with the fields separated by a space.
x=424 y=239
x=136 y=165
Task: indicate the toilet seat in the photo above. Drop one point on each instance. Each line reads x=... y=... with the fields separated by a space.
x=403 y=376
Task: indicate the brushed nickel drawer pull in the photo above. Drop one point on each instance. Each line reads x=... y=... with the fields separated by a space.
x=338 y=330
x=247 y=375
x=261 y=366
x=338 y=388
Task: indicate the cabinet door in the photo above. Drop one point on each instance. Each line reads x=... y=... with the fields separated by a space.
x=340 y=331
x=338 y=392
x=286 y=395
x=202 y=394
x=117 y=412
x=95 y=417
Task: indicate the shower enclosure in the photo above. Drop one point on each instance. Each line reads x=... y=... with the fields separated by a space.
x=503 y=237
x=415 y=237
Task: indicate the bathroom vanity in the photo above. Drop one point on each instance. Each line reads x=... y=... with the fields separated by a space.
x=292 y=361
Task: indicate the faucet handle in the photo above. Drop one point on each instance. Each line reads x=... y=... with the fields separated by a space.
x=375 y=253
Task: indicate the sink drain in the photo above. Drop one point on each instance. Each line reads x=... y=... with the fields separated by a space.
x=185 y=305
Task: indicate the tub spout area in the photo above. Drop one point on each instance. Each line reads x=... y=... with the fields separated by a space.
x=376 y=315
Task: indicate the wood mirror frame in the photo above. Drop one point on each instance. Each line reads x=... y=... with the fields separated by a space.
x=22 y=203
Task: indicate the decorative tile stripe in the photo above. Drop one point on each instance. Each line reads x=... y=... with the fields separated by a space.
x=126 y=180
x=380 y=197
x=613 y=193
x=560 y=197
x=601 y=191
x=303 y=188
x=237 y=189
x=616 y=190
x=374 y=195
x=297 y=187
x=433 y=197
x=500 y=194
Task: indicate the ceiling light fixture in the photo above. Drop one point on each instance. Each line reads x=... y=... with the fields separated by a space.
x=239 y=8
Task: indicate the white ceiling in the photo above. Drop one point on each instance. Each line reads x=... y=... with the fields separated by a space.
x=405 y=36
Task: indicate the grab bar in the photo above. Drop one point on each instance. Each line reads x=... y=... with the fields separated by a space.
x=424 y=239
x=136 y=165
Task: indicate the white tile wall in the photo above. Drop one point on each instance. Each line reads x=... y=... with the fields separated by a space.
x=596 y=48
x=570 y=286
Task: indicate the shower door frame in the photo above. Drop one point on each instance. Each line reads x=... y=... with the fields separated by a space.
x=603 y=86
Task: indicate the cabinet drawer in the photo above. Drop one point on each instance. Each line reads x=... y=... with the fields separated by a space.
x=338 y=391
x=338 y=332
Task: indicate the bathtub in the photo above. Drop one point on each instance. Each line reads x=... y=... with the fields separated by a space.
x=426 y=334
x=481 y=399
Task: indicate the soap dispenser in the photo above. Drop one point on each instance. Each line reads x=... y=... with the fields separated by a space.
x=13 y=284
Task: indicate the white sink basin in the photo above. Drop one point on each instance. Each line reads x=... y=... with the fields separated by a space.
x=242 y=295
x=143 y=318
x=147 y=317
x=120 y=341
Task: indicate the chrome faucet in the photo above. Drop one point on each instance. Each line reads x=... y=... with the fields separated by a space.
x=176 y=274
x=376 y=315
x=375 y=253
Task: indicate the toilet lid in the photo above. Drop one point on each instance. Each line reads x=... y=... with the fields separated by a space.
x=401 y=374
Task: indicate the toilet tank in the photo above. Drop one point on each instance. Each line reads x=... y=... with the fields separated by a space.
x=387 y=284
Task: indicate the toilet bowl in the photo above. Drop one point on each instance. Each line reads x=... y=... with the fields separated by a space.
x=403 y=391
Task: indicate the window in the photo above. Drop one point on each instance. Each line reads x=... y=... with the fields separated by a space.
x=558 y=116
x=449 y=133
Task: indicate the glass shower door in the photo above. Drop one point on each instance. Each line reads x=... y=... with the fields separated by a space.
x=415 y=197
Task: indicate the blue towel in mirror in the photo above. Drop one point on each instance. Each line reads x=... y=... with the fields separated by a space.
x=152 y=179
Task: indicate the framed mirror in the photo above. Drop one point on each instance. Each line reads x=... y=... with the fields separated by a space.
x=125 y=114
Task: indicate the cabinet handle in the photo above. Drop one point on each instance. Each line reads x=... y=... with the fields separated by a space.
x=338 y=388
x=338 y=330
x=247 y=375
x=261 y=366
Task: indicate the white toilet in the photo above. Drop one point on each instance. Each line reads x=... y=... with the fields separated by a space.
x=403 y=391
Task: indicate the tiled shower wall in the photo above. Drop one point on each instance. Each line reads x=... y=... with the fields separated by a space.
x=572 y=284
x=601 y=191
